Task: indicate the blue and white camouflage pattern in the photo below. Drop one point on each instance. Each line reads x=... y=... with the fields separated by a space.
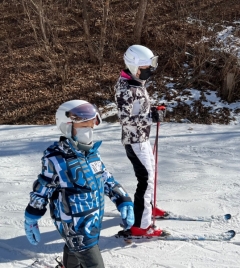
x=74 y=183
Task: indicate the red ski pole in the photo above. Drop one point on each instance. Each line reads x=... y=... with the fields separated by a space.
x=155 y=151
x=163 y=109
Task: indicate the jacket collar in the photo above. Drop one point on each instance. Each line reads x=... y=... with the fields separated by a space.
x=132 y=80
x=78 y=152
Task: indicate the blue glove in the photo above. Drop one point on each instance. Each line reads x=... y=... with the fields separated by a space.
x=127 y=216
x=32 y=231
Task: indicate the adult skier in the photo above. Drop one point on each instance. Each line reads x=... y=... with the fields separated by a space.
x=73 y=181
x=136 y=117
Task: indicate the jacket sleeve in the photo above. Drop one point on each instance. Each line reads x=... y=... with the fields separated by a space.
x=115 y=191
x=125 y=100
x=43 y=189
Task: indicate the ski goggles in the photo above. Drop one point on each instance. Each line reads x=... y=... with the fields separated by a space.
x=85 y=112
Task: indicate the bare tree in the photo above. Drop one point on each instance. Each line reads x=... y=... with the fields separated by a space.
x=45 y=37
x=37 y=8
x=98 y=52
x=103 y=30
x=139 y=20
x=87 y=31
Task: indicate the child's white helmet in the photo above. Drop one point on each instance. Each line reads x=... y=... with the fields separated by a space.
x=137 y=55
x=75 y=111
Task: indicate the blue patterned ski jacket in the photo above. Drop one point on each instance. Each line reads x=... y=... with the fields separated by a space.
x=74 y=183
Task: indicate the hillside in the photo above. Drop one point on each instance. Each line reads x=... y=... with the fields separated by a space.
x=45 y=59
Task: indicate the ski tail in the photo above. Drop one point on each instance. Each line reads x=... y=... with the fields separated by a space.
x=225 y=236
x=172 y=216
x=179 y=217
x=37 y=263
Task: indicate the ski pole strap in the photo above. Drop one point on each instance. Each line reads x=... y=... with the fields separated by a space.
x=59 y=261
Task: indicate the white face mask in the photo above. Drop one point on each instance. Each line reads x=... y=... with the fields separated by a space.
x=84 y=135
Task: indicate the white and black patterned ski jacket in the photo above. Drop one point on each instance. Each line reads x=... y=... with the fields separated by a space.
x=133 y=105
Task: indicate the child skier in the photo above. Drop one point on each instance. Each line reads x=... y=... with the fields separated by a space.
x=73 y=181
x=136 y=117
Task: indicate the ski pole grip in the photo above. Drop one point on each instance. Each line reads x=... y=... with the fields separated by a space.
x=162 y=108
x=162 y=111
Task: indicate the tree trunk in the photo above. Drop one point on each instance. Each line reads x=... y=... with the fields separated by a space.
x=103 y=30
x=87 y=31
x=139 y=20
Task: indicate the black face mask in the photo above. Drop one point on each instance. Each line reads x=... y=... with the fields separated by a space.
x=145 y=73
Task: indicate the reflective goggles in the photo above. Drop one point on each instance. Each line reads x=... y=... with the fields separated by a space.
x=84 y=112
x=154 y=62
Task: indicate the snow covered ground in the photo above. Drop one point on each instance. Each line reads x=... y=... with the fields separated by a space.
x=199 y=174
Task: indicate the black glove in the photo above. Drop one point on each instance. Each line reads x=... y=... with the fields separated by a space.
x=158 y=113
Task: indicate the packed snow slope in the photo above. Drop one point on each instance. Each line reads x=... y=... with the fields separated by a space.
x=198 y=175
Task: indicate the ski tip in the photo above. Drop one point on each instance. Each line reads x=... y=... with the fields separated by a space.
x=227 y=216
x=232 y=233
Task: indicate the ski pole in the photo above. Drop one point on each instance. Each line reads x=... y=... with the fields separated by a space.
x=154 y=146
x=155 y=150
x=161 y=108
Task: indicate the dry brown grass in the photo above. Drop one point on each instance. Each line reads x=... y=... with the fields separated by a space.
x=40 y=70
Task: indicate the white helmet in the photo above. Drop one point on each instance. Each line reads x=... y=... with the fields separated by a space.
x=137 y=55
x=75 y=111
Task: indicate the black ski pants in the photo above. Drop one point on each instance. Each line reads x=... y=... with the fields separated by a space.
x=90 y=258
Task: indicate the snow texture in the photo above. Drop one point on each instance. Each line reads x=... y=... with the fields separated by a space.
x=198 y=175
